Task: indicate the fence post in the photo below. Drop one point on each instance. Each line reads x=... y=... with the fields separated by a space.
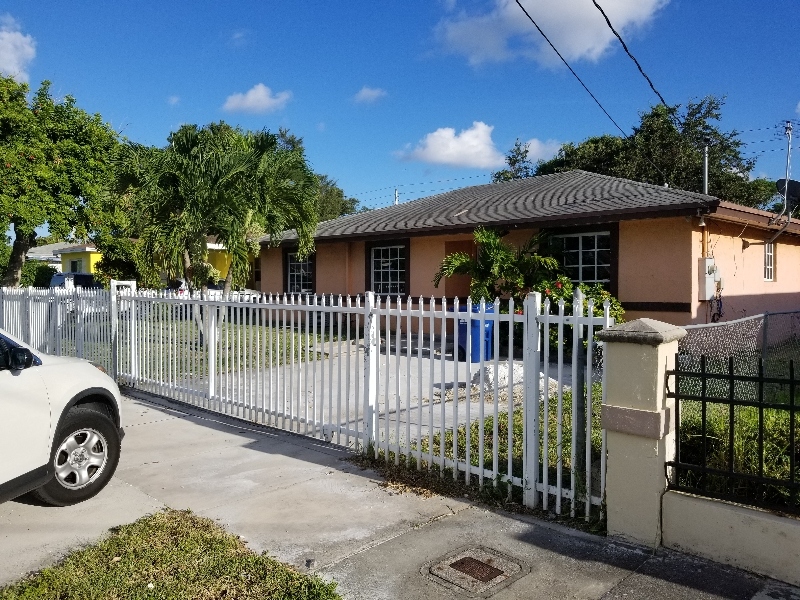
x=531 y=425
x=638 y=419
x=371 y=353
x=78 y=323
x=114 y=310
x=28 y=331
x=211 y=340
x=2 y=308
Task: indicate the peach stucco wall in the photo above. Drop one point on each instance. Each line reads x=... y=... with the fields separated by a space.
x=655 y=260
x=745 y=292
x=657 y=263
x=271 y=270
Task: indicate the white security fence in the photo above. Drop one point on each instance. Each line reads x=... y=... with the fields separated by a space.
x=487 y=398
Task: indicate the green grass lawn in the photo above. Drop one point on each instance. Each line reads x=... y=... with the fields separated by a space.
x=171 y=554
x=517 y=419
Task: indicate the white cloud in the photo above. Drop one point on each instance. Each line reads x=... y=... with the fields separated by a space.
x=471 y=147
x=240 y=37
x=17 y=50
x=797 y=109
x=368 y=95
x=258 y=99
x=539 y=150
x=173 y=100
x=575 y=27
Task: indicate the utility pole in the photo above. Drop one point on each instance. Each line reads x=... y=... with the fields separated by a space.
x=705 y=166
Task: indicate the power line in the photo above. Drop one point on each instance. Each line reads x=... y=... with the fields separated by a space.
x=571 y=70
x=628 y=52
x=588 y=91
x=391 y=187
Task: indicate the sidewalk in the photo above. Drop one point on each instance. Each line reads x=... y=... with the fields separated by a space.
x=298 y=500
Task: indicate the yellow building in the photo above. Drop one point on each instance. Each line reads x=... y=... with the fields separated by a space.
x=81 y=258
x=218 y=257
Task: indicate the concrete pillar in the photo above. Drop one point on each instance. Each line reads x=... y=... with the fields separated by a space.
x=639 y=420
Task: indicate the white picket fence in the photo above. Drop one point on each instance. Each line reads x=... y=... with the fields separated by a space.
x=369 y=373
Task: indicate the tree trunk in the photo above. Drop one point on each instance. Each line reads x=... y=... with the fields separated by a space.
x=228 y=280
x=22 y=243
x=187 y=269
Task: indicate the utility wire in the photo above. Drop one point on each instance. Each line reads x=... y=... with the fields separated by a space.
x=399 y=185
x=628 y=52
x=588 y=91
x=571 y=70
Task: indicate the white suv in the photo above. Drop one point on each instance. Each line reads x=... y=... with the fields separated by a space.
x=59 y=425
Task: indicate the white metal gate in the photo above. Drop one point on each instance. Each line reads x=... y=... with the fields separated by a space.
x=373 y=374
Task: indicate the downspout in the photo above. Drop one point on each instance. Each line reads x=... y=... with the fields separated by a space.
x=705 y=191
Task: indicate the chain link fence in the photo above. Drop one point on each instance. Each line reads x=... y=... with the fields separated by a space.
x=771 y=340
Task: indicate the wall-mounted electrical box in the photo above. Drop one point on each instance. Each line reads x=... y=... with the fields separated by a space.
x=709 y=279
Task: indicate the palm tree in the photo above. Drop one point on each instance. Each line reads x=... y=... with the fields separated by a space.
x=216 y=181
x=499 y=269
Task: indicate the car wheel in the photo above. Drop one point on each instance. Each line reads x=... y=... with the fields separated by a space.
x=85 y=455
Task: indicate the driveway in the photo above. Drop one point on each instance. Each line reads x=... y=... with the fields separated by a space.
x=300 y=501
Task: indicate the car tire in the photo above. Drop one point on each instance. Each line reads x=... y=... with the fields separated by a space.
x=85 y=454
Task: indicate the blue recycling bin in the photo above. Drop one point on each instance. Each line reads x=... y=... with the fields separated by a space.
x=479 y=342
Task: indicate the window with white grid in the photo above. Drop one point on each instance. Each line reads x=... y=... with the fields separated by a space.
x=769 y=262
x=389 y=270
x=586 y=257
x=299 y=274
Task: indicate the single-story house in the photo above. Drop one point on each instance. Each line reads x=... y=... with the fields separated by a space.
x=78 y=258
x=46 y=254
x=665 y=253
x=68 y=257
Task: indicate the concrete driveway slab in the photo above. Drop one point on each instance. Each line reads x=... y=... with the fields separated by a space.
x=297 y=499
x=328 y=517
x=224 y=476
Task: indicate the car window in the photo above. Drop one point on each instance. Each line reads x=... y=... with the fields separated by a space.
x=3 y=354
x=5 y=345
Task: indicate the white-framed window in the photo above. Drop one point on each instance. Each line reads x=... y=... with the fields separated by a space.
x=586 y=257
x=299 y=274
x=388 y=269
x=769 y=262
x=76 y=266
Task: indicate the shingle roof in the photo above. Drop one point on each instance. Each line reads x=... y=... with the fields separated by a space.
x=561 y=198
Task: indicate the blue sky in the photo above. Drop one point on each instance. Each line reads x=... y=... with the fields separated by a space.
x=419 y=95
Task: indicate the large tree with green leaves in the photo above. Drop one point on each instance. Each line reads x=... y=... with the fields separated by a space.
x=667 y=147
x=216 y=182
x=55 y=158
x=332 y=202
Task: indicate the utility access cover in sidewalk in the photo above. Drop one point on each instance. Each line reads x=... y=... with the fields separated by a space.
x=477 y=570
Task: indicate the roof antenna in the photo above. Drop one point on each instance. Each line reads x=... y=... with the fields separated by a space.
x=788 y=131
x=705 y=165
x=396 y=197
x=788 y=188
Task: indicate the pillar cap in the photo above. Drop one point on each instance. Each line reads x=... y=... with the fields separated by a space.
x=647 y=332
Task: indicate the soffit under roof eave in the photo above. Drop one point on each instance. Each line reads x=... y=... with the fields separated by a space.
x=731 y=214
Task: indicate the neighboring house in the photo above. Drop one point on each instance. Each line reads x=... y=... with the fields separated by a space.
x=220 y=259
x=81 y=258
x=47 y=254
x=644 y=242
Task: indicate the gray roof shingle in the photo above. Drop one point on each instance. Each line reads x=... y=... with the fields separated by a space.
x=561 y=198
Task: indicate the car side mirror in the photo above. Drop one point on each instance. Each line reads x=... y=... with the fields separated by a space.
x=19 y=358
